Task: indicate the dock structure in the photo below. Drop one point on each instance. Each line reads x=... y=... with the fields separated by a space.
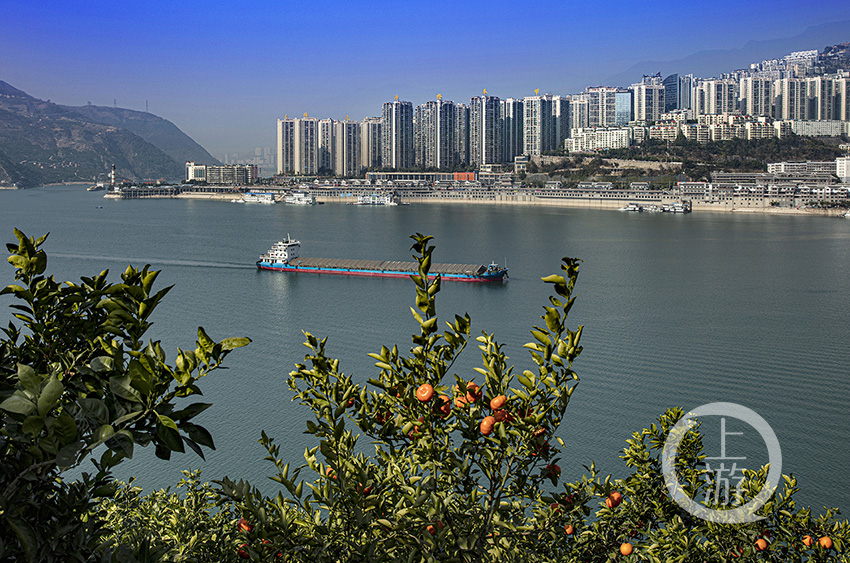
x=385 y=266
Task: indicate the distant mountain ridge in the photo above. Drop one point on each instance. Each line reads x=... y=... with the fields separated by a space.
x=706 y=64
x=42 y=142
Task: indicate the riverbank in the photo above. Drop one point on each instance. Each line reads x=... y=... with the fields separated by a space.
x=531 y=200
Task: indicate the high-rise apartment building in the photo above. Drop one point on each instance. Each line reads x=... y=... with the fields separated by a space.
x=484 y=130
x=790 y=99
x=561 y=119
x=648 y=99
x=397 y=135
x=539 y=127
x=297 y=146
x=370 y=142
x=716 y=96
x=325 y=146
x=579 y=113
x=671 y=93
x=346 y=148
x=513 y=132
x=435 y=134
x=461 y=123
x=285 y=148
x=608 y=106
x=756 y=96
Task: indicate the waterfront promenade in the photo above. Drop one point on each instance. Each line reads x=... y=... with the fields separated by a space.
x=707 y=199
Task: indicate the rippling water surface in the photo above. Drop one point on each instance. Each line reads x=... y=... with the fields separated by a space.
x=678 y=311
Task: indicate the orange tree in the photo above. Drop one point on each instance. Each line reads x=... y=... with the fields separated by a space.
x=75 y=376
x=465 y=468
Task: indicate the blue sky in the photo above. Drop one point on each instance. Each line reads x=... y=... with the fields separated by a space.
x=225 y=71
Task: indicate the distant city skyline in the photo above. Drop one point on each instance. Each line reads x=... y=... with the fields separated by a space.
x=225 y=72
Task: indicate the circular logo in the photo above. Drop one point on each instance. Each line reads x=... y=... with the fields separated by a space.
x=741 y=514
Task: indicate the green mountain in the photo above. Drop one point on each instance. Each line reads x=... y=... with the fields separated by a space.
x=42 y=142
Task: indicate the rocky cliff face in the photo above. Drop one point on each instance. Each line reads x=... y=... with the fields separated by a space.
x=42 y=142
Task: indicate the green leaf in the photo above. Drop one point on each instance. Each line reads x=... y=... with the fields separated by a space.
x=50 y=395
x=199 y=434
x=205 y=341
x=19 y=262
x=94 y=409
x=29 y=379
x=120 y=386
x=121 y=441
x=102 y=364
x=33 y=425
x=18 y=404
x=25 y=534
x=234 y=342
x=169 y=434
x=191 y=411
x=67 y=456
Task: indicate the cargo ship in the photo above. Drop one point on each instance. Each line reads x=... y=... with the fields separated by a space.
x=284 y=257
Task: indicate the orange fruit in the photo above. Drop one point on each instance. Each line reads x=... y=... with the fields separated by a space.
x=614 y=499
x=761 y=544
x=825 y=542
x=808 y=541
x=568 y=529
x=445 y=407
x=460 y=402
x=626 y=548
x=245 y=526
x=330 y=472
x=241 y=552
x=425 y=392
x=473 y=392
x=498 y=402
x=501 y=415
x=487 y=424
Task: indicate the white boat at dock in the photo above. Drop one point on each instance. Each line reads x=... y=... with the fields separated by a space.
x=632 y=207
x=300 y=198
x=376 y=199
x=256 y=197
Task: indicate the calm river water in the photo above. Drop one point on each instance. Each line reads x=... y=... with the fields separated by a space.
x=678 y=311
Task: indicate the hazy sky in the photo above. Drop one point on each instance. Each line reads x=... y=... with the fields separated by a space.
x=225 y=71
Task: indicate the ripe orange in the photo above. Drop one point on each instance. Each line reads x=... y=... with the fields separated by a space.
x=825 y=542
x=761 y=544
x=568 y=529
x=808 y=541
x=245 y=526
x=473 y=392
x=498 y=402
x=626 y=548
x=487 y=424
x=614 y=499
x=330 y=473
x=460 y=402
x=241 y=552
x=425 y=392
x=350 y=402
x=501 y=415
x=445 y=407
